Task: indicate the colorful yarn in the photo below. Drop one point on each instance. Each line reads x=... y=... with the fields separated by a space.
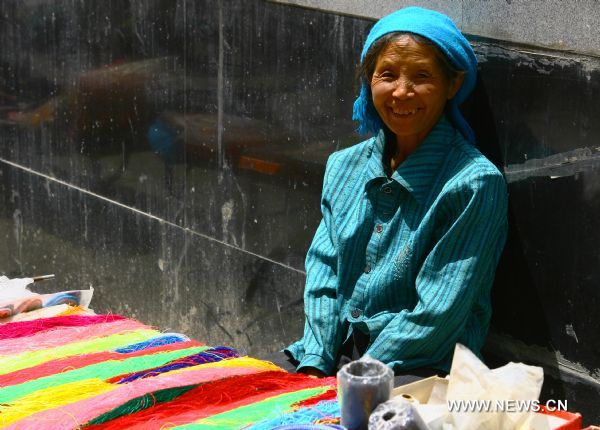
x=246 y=415
x=208 y=356
x=216 y=397
x=309 y=427
x=109 y=372
x=75 y=414
x=29 y=328
x=50 y=398
x=58 y=336
x=101 y=371
x=164 y=339
x=32 y=358
x=237 y=362
x=140 y=403
x=327 y=395
x=311 y=415
x=71 y=363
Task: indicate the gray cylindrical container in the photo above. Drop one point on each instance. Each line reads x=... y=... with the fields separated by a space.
x=396 y=415
x=362 y=385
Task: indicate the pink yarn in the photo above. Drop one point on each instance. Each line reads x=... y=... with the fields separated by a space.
x=29 y=328
x=76 y=414
x=77 y=362
x=61 y=336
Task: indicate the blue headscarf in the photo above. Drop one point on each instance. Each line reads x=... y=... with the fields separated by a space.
x=443 y=33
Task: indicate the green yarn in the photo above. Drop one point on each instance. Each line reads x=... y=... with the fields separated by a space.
x=103 y=371
x=249 y=414
x=141 y=403
x=12 y=363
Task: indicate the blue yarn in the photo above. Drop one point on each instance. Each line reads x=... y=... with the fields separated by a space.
x=164 y=339
x=208 y=356
x=438 y=28
x=302 y=418
x=309 y=427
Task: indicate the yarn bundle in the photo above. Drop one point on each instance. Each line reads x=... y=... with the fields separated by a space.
x=71 y=369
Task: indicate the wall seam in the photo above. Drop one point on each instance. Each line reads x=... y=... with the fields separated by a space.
x=154 y=217
x=220 y=89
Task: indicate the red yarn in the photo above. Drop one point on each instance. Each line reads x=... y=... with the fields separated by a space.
x=327 y=395
x=216 y=397
x=27 y=328
x=70 y=363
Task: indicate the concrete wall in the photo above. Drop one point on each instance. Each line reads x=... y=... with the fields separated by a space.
x=556 y=24
x=170 y=154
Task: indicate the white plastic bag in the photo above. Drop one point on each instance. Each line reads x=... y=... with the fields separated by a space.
x=14 y=288
x=504 y=396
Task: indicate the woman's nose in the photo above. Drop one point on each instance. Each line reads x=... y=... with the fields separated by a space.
x=404 y=88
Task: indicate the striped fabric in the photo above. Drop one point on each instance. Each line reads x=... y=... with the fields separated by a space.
x=410 y=259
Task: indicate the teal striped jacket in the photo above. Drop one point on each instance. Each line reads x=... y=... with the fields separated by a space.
x=407 y=259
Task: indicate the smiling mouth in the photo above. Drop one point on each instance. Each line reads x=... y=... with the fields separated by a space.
x=405 y=112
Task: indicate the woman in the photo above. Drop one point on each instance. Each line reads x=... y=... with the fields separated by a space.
x=414 y=219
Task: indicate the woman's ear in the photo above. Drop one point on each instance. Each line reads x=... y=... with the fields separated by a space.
x=456 y=84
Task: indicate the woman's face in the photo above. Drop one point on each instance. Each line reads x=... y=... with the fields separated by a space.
x=410 y=88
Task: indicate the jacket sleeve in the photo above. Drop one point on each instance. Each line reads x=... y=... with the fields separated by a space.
x=322 y=328
x=457 y=272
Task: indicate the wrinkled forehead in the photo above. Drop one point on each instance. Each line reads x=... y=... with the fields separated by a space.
x=408 y=47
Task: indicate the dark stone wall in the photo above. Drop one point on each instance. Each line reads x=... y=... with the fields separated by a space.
x=170 y=154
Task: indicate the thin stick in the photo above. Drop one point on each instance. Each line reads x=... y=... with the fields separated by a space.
x=42 y=278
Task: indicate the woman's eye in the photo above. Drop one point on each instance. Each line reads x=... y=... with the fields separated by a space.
x=423 y=75
x=384 y=73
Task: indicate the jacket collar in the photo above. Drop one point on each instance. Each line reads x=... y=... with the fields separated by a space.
x=420 y=169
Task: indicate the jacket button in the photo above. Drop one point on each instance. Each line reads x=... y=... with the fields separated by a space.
x=355 y=313
x=367 y=268
x=378 y=228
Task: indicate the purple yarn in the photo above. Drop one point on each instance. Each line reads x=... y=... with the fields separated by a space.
x=209 y=356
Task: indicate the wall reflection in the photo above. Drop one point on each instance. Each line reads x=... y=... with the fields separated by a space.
x=149 y=104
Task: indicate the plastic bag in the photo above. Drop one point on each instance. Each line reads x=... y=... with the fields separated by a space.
x=491 y=399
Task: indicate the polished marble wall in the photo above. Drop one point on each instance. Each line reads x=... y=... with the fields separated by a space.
x=170 y=154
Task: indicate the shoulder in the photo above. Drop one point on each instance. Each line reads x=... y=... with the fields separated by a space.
x=472 y=181
x=348 y=160
x=468 y=168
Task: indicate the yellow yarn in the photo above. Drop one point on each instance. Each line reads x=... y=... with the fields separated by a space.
x=51 y=398
x=76 y=310
x=64 y=394
x=12 y=363
x=253 y=363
